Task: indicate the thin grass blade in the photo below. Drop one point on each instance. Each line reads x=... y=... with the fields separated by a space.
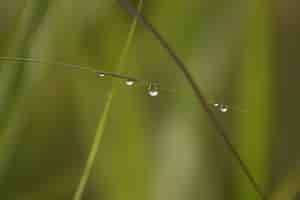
x=102 y=122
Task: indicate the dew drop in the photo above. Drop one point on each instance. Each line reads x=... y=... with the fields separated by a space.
x=101 y=75
x=224 y=108
x=130 y=82
x=153 y=90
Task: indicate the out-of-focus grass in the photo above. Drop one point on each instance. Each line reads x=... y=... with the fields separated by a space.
x=153 y=148
x=289 y=187
x=15 y=84
x=255 y=91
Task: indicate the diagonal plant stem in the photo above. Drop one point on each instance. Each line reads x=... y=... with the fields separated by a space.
x=101 y=127
x=198 y=93
x=93 y=152
x=128 y=42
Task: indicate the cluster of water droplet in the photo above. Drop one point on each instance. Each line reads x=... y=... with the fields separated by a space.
x=221 y=107
x=153 y=91
x=152 y=88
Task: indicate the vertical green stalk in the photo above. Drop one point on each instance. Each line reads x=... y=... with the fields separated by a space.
x=102 y=122
x=255 y=92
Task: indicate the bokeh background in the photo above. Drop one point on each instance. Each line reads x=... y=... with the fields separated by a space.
x=242 y=53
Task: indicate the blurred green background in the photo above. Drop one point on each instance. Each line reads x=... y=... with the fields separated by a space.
x=242 y=53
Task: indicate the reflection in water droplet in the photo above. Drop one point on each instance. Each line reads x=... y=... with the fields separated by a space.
x=153 y=90
x=216 y=105
x=101 y=75
x=130 y=82
x=153 y=93
x=224 y=108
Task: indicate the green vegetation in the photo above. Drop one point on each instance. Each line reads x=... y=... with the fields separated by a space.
x=70 y=134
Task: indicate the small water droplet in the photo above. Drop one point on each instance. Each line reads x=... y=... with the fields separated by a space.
x=224 y=108
x=153 y=90
x=216 y=105
x=101 y=75
x=130 y=82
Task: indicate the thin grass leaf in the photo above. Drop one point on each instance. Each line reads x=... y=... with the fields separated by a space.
x=256 y=63
x=94 y=149
x=77 y=67
x=102 y=122
x=198 y=93
x=130 y=80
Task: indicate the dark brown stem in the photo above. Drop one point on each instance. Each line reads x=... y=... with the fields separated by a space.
x=201 y=99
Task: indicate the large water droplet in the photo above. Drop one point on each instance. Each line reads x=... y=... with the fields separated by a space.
x=153 y=90
x=224 y=108
x=130 y=82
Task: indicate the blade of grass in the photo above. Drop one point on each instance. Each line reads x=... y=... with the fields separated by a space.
x=129 y=39
x=256 y=63
x=75 y=67
x=93 y=152
x=102 y=122
x=198 y=93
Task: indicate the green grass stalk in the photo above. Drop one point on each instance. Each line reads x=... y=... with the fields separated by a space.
x=102 y=122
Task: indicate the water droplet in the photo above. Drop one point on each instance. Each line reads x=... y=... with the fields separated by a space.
x=101 y=75
x=216 y=105
x=224 y=108
x=153 y=90
x=130 y=82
